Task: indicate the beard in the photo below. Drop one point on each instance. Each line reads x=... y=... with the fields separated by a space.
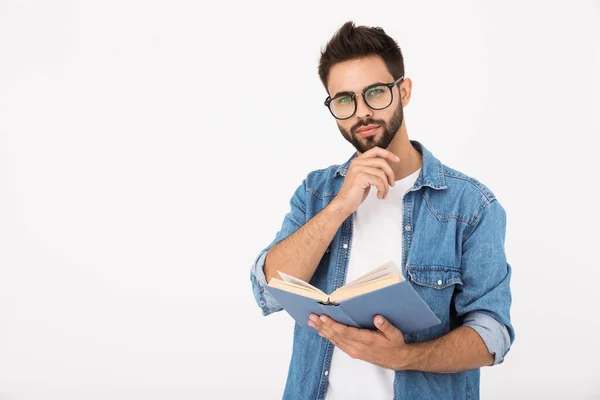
x=382 y=139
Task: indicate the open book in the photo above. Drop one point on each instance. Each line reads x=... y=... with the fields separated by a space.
x=382 y=291
x=385 y=275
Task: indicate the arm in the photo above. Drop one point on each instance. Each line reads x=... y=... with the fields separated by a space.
x=300 y=253
x=459 y=350
x=483 y=301
x=299 y=245
x=297 y=248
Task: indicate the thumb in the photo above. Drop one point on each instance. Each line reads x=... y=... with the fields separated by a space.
x=388 y=330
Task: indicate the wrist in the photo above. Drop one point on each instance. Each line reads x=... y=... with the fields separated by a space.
x=338 y=209
x=405 y=357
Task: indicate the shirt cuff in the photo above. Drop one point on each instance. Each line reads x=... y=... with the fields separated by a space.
x=265 y=300
x=494 y=334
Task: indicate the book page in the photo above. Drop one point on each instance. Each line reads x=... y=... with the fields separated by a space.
x=387 y=269
x=291 y=287
x=299 y=282
x=384 y=275
x=347 y=293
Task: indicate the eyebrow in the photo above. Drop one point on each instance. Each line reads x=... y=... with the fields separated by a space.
x=346 y=93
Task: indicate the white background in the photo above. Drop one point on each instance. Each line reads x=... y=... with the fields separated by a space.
x=148 y=151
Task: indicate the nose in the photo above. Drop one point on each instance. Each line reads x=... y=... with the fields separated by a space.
x=362 y=109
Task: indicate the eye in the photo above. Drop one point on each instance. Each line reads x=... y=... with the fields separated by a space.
x=343 y=100
x=375 y=91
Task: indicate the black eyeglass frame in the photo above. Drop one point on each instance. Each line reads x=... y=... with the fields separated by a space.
x=389 y=85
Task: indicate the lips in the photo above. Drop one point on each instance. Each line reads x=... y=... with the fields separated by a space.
x=367 y=130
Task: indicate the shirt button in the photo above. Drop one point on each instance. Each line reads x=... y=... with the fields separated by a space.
x=345 y=245
x=440 y=282
x=326 y=373
x=262 y=303
x=407 y=227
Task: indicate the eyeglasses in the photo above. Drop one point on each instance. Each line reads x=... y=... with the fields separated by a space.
x=377 y=97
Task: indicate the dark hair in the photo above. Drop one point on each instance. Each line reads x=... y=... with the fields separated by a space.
x=351 y=42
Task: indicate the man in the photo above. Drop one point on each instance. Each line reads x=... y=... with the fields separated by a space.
x=392 y=200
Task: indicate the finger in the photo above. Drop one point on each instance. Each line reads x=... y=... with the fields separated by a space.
x=341 y=344
x=339 y=339
x=374 y=181
x=377 y=172
x=382 y=164
x=318 y=322
x=350 y=333
x=347 y=348
x=364 y=181
x=388 y=330
x=379 y=152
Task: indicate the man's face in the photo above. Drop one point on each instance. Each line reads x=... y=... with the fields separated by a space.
x=354 y=76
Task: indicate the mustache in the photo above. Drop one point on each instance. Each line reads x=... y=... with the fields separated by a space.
x=368 y=121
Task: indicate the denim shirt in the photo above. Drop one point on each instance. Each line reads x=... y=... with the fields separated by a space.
x=452 y=254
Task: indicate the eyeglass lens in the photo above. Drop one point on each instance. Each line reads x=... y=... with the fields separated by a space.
x=377 y=97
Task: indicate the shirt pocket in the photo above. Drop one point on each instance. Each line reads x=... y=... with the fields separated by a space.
x=436 y=285
x=433 y=276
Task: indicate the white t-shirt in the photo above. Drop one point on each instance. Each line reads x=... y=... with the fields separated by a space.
x=376 y=239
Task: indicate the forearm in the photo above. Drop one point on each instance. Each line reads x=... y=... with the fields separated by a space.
x=459 y=350
x=299 y=254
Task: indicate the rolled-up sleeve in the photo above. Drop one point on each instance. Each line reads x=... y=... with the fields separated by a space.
x=494 y=334
x=484 y=299
x=292 y=221
x=266 y=302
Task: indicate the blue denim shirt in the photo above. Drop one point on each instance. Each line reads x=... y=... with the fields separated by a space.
x=453 y=255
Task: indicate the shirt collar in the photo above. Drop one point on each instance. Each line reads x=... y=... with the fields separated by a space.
x=431 y=174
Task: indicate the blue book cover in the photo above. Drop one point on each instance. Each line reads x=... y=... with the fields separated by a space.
x=399 y=303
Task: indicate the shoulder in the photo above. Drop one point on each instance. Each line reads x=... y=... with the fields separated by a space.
x=323 y=182
x=467 y=185
x=463 y=198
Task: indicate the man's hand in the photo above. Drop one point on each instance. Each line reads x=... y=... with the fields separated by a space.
x=384 y=347
x=371 y=168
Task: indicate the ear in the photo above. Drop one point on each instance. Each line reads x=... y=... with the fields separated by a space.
x=405 y=89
